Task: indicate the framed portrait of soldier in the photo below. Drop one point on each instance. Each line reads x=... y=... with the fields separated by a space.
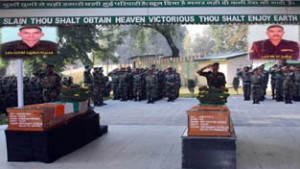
x=28 y=41
x=280 y=42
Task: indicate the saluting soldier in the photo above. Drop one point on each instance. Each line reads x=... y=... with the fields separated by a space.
x=265 y=80
x=256 y=87
x=245 y=75
x=215 y=79
x=288 y=85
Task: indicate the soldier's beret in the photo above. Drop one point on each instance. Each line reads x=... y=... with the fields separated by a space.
x=87 y=66
x=30 y=27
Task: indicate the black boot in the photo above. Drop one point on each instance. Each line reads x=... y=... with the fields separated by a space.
x=150 y=101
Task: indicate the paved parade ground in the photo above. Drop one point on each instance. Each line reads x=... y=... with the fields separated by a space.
x=148 y=136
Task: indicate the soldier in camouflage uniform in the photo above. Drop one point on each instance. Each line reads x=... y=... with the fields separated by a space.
x=288 y=85
x=279 y=84
x=265 y=80
x=178 y=82
x=245 y=75
x=115 y=83
x=215 y=79
x=272 y=72
x=123 y=84
x=51 y=85
x=130 y=83
x=99 y=86
x=256 y=86
x=143 y=73
x=37 y=90
x=170 y=85
x=88 y=82
x=161 y=84
x=137 y=85
x=151 y=86
x=296 y=96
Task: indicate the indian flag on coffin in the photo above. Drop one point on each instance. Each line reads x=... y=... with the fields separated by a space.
x=73 y=107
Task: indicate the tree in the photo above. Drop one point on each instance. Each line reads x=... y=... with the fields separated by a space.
x=203 y=44
x=170 y=33
x=108 y=42
x=3 y=63
x=229 y=38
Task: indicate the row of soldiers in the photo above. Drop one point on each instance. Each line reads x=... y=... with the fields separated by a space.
x=145 y=83
x=133 y=84
x=44 y=86
x=98 y=84
x=285 y=83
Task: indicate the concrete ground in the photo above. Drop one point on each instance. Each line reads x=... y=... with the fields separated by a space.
x=148 y=136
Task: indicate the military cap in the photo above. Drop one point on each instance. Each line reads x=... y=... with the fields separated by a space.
x=275 y=26
x=30 y=27
x=96 y=68
x=216 y=64
x=100 y=69
x=87 y=66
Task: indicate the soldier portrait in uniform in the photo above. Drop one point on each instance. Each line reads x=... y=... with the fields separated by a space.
x=275 y=47
x=29 y=45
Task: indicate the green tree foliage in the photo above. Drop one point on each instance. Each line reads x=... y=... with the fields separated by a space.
x=3 y=63
x=229 y=38
x=203 y=44
x=146 y=37
x=108 y=42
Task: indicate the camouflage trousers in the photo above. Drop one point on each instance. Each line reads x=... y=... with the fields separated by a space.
x=256 y=92
x=50 y=94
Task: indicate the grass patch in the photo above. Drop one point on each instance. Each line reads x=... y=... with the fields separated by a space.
x=3 y=119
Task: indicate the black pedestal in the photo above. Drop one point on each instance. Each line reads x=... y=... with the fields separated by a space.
x=47 y=146
x=208 y=152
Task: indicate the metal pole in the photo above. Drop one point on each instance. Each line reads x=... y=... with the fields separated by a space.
x=20 y=83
